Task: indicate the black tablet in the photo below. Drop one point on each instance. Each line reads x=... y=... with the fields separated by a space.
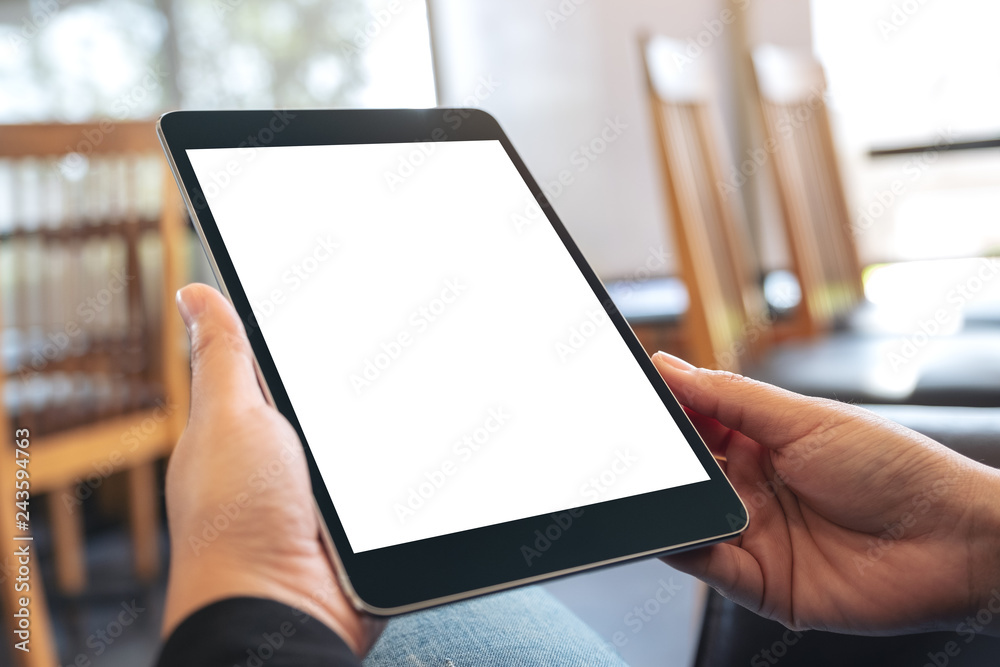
x=475 y=412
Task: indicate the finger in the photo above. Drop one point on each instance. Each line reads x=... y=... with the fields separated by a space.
x=725 y=567
x=771 y=416
x=222 y=371
x=715 y=435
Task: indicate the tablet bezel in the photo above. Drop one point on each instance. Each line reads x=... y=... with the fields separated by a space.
x=442 y=569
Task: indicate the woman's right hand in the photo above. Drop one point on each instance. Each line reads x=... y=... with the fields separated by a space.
x=857 y=524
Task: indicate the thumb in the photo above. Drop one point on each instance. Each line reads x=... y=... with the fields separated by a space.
x=223 y=379
x=771 y=416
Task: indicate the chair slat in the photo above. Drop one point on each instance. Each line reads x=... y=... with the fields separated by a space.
x=792 y=88
x=709 y=229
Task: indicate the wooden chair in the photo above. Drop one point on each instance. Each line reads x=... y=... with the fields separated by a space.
x=726 y=322
x=94 y=360
x=792 y=90
x=955 y=370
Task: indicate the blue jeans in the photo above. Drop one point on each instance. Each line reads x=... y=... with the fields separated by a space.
x=521 y=627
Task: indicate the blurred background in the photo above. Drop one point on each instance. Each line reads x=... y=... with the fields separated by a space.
x=804 y=192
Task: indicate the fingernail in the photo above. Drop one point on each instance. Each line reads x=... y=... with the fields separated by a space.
x=189 y=304
x=673 y=362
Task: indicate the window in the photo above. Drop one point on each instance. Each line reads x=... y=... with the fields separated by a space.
x=916 y=73
x=68 y=60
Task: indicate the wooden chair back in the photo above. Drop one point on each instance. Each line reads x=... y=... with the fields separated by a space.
x=724 y=321
x=792 y=91
x=93 y=360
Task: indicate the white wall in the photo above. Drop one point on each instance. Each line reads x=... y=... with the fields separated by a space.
x=917 y=76
x=783 y=22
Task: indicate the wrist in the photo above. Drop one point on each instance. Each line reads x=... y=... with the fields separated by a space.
x=984 y=555
x=198 y=582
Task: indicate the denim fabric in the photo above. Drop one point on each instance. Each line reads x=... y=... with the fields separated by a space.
x=522 y=627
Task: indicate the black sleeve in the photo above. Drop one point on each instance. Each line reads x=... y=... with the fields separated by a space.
x=254 y=631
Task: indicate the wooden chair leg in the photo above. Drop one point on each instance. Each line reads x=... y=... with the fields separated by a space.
x=67 y=543
x=42 y=641
x=144 y=520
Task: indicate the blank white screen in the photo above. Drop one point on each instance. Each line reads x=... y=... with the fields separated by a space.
x=448 y=363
